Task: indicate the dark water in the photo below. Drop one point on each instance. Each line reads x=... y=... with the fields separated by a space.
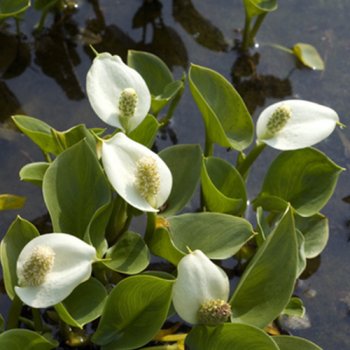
x=43 y=75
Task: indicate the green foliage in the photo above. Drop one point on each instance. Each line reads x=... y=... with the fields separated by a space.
x=84 y=305
x=274 y=266
x=309 y=56
x=34 y=172
x=226 y=118
x=17 y=236
x=17 y=339
x=259 y=7
x=72 y=197
x=291 y=343
x=304 y=178
x=234 y=336
x=11 y=201
x=138 y=305
x=13 y=8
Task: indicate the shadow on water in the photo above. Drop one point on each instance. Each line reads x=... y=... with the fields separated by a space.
x=56 y=60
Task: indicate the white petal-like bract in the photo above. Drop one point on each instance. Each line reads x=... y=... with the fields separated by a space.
x=198 y=281
x=308 y=124
x=72 y=265
x=107 y=78
x=120 y=158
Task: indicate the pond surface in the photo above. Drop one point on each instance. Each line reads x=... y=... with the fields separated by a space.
x=43 y=76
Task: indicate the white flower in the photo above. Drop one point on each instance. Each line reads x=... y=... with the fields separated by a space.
x=201 y=290
x=295 y=124
x=50 y=266
x=117 y=93
x=138 y=175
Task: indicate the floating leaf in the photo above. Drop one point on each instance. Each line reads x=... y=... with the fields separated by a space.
x=134 y=312
x=309 y=56
x=223 y=187
x=34 y=172
x=227 y=120
x=304 y=178
x=178 y=158
x=18 y=235
x=229 y=336
x=11 y=201
x=129 y=255
x=84 y=304
x=74 y=188
x=217 y=235
x=274 y=267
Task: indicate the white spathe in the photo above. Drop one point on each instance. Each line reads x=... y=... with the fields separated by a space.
x=120 y=156
x=72 y=265
x=198 y=280
x=308 y=124
x=107 y=78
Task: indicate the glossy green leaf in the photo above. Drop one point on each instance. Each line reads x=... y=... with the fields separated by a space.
x=227 y=120
x=96 y=229
x=223 y=187
x=170 y=91
x=217 y=235
x=315 y=230
x=34 y=172
x=259 y=7
x=155 y=72
x=70 y=137
x=287 y=342
x=74 y=188
x=161 y=244
x=230 y=336
x=305 y=178
x=301 y=253
x=146 y=132
x=11 y=201
x=84 y=304
x=178 y=158
x=38 y=131
x=268 y=282
x=12 y=8
x=18 y=235
x=295 y=307
x=134 y=312
x=19 y=339
x=129 y=255
x=309 y=56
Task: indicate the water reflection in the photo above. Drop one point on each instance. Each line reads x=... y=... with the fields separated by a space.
x=255 y=88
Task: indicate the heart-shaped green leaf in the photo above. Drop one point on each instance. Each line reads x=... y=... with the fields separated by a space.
x=84 y=304
x=217 y=235
x=178 y=158
x=223 y=187
x=146 y=132
x=229 y=336
x=74 y=188
x=34 y=172
x=305 y=178
x=18 y=235
x=287 y=342
x=268 y=282
x=227 y=120
x=134 y=312
x=129 y=255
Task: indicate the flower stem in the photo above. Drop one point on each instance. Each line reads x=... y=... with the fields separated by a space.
x=209 y=146
x=14 y=313
x=256 y=27
x=38 y=322
x=151 y=225
x=246 y=37
x=245 y=164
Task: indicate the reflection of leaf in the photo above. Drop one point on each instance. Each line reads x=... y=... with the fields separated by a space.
x=57 y=58
x=9 y=104
x=203 y=31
